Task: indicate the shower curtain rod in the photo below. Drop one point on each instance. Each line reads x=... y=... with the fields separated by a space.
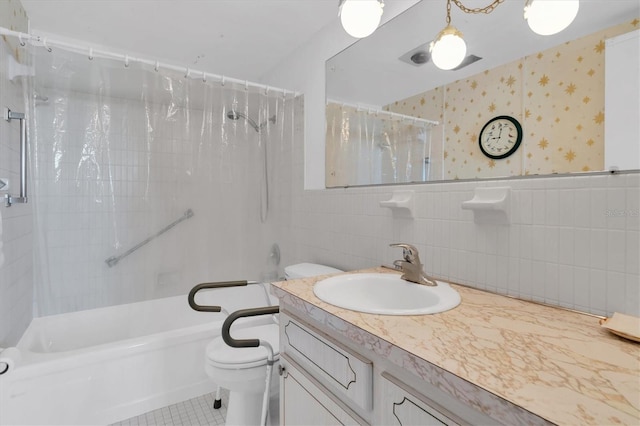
x=377 y=111
x=47 y=42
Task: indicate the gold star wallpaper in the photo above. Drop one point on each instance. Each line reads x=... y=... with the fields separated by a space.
x=557 y=95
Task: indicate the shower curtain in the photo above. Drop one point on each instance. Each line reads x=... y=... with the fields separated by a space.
x=367 y=147
x=120 y=151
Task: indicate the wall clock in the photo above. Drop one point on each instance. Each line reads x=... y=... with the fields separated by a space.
x=500 y=137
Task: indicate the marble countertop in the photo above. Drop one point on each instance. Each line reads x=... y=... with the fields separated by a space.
x=557 y=365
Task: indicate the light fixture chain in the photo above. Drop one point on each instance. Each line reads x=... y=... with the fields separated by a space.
x=449 y=12
x=487 y=9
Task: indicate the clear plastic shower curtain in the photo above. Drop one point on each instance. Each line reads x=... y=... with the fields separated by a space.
x=367 y=147
x=119 y=152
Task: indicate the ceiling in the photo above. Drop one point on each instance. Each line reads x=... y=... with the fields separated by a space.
x=242 y=39
x=246 y=39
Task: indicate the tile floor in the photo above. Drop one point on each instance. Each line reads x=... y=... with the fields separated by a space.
x=196 y=411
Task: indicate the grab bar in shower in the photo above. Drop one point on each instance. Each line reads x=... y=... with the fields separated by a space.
x=12 y=115
x=113 y=260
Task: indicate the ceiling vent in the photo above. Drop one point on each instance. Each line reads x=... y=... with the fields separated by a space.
x=420 y=55
x=468 y=60
x=417 y=56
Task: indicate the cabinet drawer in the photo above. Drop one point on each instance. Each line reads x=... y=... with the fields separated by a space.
x=340 y=370
x=402 y=405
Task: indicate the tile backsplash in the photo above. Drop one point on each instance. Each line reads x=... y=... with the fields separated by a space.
x=572 y=241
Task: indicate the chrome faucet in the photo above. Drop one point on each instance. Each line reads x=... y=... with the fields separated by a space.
x=411 y=267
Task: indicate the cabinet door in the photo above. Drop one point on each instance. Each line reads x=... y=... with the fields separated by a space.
x=402 y=405
x=344 y=372
x=304 y=401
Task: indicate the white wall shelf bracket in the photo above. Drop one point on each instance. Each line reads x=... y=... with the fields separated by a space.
x=401 y=203
x=490 y=206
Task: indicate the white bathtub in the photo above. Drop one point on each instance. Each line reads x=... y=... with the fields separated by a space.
x=104 y=365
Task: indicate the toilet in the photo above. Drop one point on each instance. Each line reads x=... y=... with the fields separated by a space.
x=243 y=370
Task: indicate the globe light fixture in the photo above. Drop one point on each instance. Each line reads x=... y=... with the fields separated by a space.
x=448 y=50
x=360 y=18
x=547 y=17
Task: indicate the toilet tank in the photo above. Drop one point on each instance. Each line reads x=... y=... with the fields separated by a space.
x=305 y=270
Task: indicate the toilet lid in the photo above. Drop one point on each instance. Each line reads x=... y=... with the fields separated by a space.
x=220 y=355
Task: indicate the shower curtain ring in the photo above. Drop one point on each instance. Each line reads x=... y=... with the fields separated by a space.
x=204 y=77
x=157 y=67
x=187 y=74
x=222 y=81
x=126 y=61
x=246 y=85
x=22 y=43
x=44 y=43
x=266 y=90
x=91 y=53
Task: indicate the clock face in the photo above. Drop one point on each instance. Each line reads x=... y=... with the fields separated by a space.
x=500 y=137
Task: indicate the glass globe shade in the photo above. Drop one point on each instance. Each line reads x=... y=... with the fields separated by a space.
x=360 y=18
x=448 y=49
x=547 y=17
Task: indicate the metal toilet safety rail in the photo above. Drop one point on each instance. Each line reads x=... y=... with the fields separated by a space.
x=253 y=343
x=234 y=343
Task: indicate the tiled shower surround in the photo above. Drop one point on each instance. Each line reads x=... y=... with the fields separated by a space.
x=102 y=190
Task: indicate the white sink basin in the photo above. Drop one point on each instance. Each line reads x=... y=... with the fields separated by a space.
x=385 y=294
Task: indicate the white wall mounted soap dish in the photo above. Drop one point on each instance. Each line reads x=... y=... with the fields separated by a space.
x=401 y=203
x=490 y=206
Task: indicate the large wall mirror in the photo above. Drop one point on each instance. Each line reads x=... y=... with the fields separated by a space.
x=394 y=117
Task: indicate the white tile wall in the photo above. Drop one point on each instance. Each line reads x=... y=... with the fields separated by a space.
x=99 y=195
x=572 y=241
x=16 y=275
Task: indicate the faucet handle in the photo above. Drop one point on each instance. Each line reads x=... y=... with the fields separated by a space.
x=409 y=252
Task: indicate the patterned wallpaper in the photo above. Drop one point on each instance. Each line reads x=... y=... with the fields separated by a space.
x=557 y=96
x=13 y=17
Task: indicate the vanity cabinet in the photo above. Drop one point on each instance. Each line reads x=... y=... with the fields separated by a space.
x=326 y=381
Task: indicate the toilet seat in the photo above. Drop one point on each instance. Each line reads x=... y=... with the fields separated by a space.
x=219 y=355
